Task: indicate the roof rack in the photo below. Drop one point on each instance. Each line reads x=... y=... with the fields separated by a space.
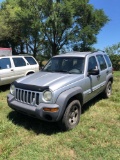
x=98 y=51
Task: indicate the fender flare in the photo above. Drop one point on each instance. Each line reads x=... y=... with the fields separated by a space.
x=64 y=97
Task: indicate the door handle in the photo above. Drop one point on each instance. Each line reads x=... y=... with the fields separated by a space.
x=107 y=72
x=12 y=69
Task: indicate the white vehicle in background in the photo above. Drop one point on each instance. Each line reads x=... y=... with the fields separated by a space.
x=14 y=67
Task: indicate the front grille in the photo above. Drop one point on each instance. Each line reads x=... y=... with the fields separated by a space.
x=28 y=97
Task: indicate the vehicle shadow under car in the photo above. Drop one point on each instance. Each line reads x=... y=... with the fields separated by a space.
x=39 y=126
x=4 y=88
x=30 y=123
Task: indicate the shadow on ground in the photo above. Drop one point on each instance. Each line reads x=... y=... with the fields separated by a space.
x=39 y=126
x=4 y=88
x=36 y=125
x=91 y=103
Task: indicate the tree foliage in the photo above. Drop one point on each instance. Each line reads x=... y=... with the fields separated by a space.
x=50 y=26
x=115 y=61
x=114 y=53
x=114 y=49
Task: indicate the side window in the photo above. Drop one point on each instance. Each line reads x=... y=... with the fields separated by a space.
x=30 y=60
x=108 y=60
x=5 y=63
x=102 y=62
x=92 y=64
x=19 y=62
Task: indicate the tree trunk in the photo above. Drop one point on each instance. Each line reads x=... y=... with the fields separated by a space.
x=21 y=48
x=54 y=49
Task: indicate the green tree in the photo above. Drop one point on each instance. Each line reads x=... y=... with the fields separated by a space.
x=114 y=49
x=9 y=28
x=50 y=26
x=89 y=23
x=114 y=53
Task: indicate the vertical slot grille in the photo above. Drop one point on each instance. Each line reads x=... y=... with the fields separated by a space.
x=28 y=97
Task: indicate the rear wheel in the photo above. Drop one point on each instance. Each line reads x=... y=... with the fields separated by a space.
x=71 y=116
x=108 y=90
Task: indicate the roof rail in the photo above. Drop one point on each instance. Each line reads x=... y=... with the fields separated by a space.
x=98 y=51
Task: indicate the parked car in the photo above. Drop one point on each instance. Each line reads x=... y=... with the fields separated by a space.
x=14 y=67
x=67 y=82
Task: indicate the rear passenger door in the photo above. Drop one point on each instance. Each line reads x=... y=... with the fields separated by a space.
x=109 y=64
x=103 y=71
x=20 y=68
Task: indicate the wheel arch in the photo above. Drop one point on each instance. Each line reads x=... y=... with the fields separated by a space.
x=105 y=93
x=78 y=97
x=29 y=72
x=110 y=79
x=66 y=97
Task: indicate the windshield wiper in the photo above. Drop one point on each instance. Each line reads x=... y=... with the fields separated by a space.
x=63 y=71
x=49 y=71
x=60 y=71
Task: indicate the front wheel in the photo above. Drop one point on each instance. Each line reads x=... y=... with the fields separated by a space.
x=71 y=116
x=108 y=90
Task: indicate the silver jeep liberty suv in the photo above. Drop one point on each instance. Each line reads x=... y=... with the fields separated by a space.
x=67 y=82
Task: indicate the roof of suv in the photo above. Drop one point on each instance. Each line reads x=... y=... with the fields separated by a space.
x=78 y=54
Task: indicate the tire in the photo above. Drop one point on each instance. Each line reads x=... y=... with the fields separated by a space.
x=71 y=116
x=108 y=90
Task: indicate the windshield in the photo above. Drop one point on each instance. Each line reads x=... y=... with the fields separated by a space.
x=65 y=64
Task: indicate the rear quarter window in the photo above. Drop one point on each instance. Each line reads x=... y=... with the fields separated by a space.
x=31 y=60
x=108 y=61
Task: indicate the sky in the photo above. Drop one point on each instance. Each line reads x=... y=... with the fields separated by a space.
x=110 y=33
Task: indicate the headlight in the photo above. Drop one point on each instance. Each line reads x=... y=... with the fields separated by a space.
x=47 y=95
x=12 y=89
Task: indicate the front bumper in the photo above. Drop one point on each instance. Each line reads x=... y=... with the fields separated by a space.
x=34 y=111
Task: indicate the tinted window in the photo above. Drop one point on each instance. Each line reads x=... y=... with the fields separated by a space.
x=65 y=64
x=5 y=63
x=30 y=60
x=108 y=61
x=102 y=62
x=92 y=64
x=19 y=62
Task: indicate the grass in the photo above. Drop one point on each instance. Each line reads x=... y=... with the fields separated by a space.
x=97 y=137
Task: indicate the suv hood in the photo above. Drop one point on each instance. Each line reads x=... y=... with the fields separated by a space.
x=52 y=80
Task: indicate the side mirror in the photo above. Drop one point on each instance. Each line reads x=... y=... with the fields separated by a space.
x=94 y=72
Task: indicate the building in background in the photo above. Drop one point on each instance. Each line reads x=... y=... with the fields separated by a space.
x=5 y=51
